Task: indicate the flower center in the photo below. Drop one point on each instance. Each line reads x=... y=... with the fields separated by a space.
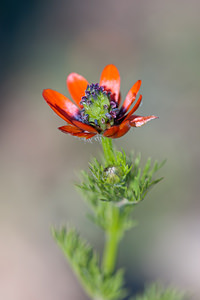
x=98 y=109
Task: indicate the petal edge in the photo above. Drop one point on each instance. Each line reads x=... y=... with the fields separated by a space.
x=77 y=85
x=138 y=121
x=110 y=79
x=61 y=105
x=131 y=96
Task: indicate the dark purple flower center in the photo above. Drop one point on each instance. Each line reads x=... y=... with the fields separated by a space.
x=98 y=109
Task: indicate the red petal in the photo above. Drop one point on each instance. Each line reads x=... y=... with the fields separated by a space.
x=131 y=96
x=77 y=85
x=110 y=79
x=61 y=105
x=135 y=107
x=117 y=130
x=137 y=121
x=85 y=135
x=111 y=131
x=123 y=128
x=85 y=127
x=70 y=129
x=119 y=99
x=80 y=134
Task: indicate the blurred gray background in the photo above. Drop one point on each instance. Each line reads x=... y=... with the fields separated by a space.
x=41 y=43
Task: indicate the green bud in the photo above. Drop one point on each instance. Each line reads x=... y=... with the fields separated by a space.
x=112 y=175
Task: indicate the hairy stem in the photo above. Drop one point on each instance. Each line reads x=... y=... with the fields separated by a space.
x=108 y=150
x=113 y=232
x=111 y=245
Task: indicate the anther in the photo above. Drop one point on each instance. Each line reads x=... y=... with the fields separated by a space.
x=113 y=104
x=92 y=86
x=88 y=102
x=113 y=114
x=108 y=116
x=86 y=117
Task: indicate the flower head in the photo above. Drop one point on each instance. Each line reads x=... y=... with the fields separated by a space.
x=97 y=106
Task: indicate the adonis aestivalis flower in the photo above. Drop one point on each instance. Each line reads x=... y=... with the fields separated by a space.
x=96 y=108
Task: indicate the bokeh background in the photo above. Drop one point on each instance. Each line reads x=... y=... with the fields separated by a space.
x=41 y=43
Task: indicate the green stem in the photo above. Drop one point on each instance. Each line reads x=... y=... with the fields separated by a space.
x=113 y=232
x=111 y=245
x=108 y=150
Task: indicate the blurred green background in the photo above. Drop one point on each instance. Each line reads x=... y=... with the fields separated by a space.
x=41 y=43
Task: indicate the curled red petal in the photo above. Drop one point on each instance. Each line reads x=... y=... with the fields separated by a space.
x=134 y=108
x=77 y=85
x=86 y=135
x=111 y=131
x=119 y=99
x=137 y=121
x=61 y=105
x=117 y=131
x=123 y=128
x=110 y=79
x=84 y=127
x=131 y=96
x=78 y=133
x=70 y=129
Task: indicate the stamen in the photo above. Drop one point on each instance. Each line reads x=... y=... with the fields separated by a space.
x=82 y=102
x=113 y=104
x=89 y=102
x=82 y=112
x=113 y=114
x=108 y=116
x=86 y=117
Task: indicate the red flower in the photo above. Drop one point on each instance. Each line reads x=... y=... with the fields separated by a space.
x=96 y=109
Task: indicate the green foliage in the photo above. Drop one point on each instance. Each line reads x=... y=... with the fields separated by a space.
x=141 y=180
x=107 y=183
x=85 y=263
x=112 y=189
x=117 y=187
x=157 y=292
x=122 y=182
